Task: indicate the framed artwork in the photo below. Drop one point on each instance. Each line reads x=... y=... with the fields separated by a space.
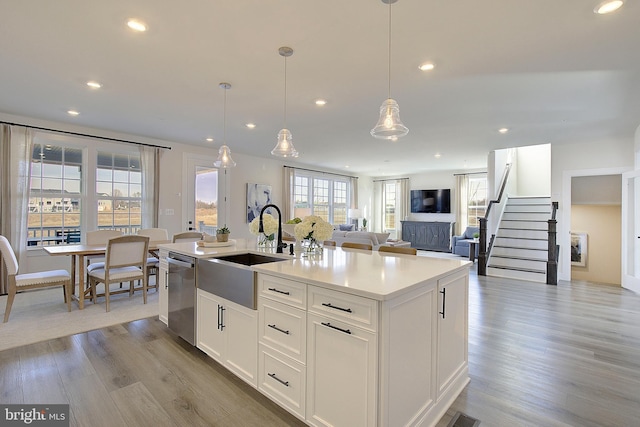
x=258 y=195
x=579 y=249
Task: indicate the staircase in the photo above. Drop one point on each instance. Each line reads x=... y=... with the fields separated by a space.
x=521 y=244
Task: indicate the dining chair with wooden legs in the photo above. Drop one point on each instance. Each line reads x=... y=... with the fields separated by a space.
x=22 y=282
x=187 y=236
x=329 y=243
x=353 y=245
x=125 y=260
x=398 y=250
x=153 y=262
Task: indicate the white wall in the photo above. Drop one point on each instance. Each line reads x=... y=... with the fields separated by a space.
x=534 y=170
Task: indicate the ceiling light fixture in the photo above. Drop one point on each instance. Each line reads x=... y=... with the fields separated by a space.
x=427 y=66
x=321 y=102
x=608 y=6
x=136 y=25
x=251 y=125
x=389 y=124
x=503 y=130
x=94 y=85
x=209 y=139
x=224 y=159
x=284 y=147
x=73 y=113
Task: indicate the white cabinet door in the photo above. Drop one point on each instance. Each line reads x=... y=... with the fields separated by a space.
x=240 y=325
x=341 y=373
x=452 y=329
x=163 y=290
x=228 y=333
x=210 y=336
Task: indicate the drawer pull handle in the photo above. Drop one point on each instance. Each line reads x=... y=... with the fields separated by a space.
x=279 y=291
x=278 y=329
x=284 y=383
x=329 y=325
x=328 y=304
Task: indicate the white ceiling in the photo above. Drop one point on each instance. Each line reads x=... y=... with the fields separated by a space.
x=551 y=71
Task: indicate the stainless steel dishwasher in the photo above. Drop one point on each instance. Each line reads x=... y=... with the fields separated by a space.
x=182 y=295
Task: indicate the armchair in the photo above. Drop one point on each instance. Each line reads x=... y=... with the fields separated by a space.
x=460 y=244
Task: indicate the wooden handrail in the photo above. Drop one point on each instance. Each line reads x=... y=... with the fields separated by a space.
x=503 y=185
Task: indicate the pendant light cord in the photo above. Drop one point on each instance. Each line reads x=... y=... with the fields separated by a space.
x=224 y=120
x=389 y=50
x=285 y=92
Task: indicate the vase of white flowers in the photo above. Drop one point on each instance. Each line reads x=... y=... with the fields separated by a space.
x=313 y=231
x=270 y=226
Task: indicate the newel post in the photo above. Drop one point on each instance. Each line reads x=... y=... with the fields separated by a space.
x=482 y=252
x=552 y=250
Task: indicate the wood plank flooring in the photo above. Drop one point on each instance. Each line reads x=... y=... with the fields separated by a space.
x=539 y=356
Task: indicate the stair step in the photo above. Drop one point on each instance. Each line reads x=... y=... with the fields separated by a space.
x=526 y=216
x=523 y=234
x=528 y=208
x=524 y=224
x=517 y=274
x=540 y=200
x=525 y=264
x=520 y=243
x=518 y=252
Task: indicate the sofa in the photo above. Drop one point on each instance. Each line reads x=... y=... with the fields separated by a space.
x=460 y=244
x=366 y=237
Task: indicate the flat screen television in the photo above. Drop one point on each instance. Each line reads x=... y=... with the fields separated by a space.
x=431 y=201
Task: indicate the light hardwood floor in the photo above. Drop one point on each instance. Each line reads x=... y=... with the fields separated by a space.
x=539 y=356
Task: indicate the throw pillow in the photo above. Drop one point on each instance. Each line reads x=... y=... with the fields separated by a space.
x=382 y=237
x=346 y=227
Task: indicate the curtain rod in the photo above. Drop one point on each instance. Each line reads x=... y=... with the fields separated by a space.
x=390 y=179
x=470 y=173
x=67 y=132
x=328 y=173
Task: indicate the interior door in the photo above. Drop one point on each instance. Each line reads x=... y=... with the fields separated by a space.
x=631 y=231
x=200 y=190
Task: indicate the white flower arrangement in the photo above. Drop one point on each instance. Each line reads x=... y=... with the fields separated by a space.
x=269 y=224
x=313 y=227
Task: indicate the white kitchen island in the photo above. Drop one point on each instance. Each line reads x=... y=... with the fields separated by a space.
x=351 y=338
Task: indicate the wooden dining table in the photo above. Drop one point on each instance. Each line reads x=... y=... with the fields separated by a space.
x=78 y=253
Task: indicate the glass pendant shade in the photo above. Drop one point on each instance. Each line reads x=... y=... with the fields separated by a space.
x=224 y=159
x=284 y=147
x=389 y=124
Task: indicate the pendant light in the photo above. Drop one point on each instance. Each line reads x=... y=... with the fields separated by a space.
x=224 y=159
x=284 y=146
x=389 y=125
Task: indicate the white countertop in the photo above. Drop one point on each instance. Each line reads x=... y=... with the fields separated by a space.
x=373 y=274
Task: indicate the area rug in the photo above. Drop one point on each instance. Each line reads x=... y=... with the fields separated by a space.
x=41 y=315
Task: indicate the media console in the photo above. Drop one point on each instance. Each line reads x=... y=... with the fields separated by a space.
x=429 y=236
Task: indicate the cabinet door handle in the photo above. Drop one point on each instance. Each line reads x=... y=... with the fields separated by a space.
x=166 y=280
x=284 y=383
x=278 y=329
x=444 y=296
x=329 y=325
x=328 y=304
x=279 y=291
x=220 y=317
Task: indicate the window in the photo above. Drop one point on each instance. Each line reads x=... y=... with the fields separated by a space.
x=54 y=195
x=389 y=206
x=119 y=192
x=476 y=199
x=325 y=196
x=66 y=196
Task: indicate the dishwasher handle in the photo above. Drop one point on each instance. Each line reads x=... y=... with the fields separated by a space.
x=180 y=263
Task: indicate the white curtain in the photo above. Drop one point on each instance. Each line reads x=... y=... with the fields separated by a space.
x=403 y=205
x=461 y=200
x=353 y=199
x=378 y=207
x=288 y=181
x=149 y=164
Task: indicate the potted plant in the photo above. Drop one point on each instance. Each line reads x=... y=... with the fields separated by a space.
x=222 y=234
x=364 y=224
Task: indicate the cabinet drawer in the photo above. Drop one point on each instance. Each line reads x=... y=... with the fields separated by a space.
x=283 y=290
x=283 y=328
x=283 y=380
x=352 y=309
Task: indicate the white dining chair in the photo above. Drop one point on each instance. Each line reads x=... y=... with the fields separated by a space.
x=187 y=236
x=125 y=260
x=22 y=282
x=153 y=262
x=98 y=237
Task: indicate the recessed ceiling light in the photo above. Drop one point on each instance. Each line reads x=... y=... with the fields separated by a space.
x=251 y=125
x=437 y=155
x=136 y=25
x=427 y=66
x=94 y=85
x=503 y=130
x=73 y=112
x=321 y=102
x=209 y=139
x=608 y=6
